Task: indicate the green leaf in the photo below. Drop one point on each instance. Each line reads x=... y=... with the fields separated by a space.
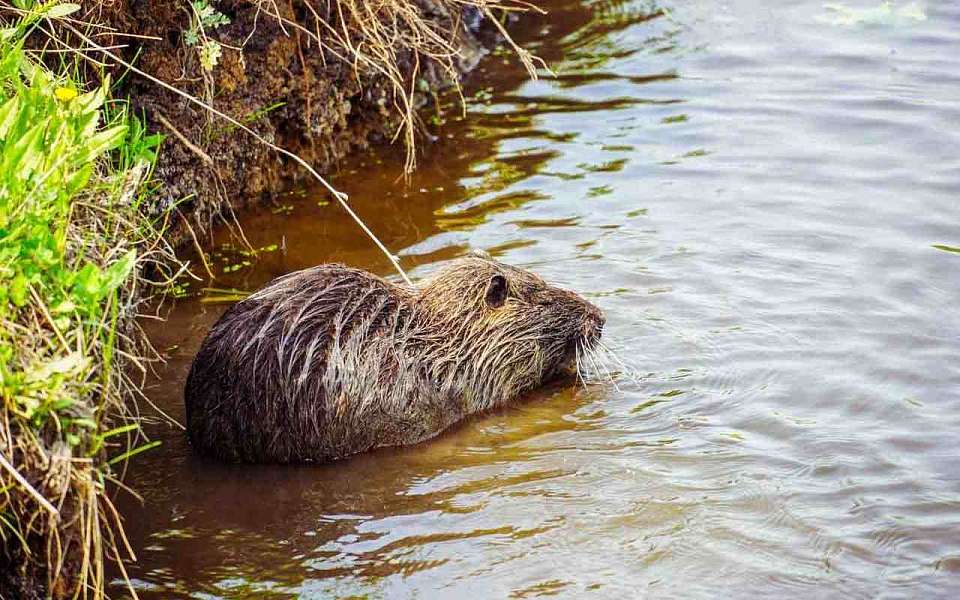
x=8 y=115
x=65 y=365
x=58 y=11
x=134 y=452
x=18 y=290
x=118 y=272
x=88 y=282
x=77 y=180
x=210 y=54
x=67 y=306
x=86 y=124
x=119 y=430
x=27 y=152
x=91 y=101
x=102 y=142
x=63 y=404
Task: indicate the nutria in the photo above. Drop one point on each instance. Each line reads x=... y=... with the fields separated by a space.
x=331 y=361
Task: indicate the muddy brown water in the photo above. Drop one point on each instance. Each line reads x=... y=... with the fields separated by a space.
x=765 y=200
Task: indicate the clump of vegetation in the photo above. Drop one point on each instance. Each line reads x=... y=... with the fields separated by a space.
x=205 y=18
x=74 y=242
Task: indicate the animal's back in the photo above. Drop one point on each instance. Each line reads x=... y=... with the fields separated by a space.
x=254 y=392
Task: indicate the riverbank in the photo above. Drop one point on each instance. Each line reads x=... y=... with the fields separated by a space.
x=75 y=242
x=320 y=80
x=91 y=207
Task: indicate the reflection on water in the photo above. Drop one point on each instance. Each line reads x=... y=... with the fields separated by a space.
x=765 y=203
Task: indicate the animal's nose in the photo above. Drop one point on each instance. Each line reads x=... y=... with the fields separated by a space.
x=593 y=325
x=597 y=316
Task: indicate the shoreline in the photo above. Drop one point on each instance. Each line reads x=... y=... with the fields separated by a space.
x=167 y=195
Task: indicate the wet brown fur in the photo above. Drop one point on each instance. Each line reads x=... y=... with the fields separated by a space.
x=331 y=361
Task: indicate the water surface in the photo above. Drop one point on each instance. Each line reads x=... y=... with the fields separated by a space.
x=764 y=198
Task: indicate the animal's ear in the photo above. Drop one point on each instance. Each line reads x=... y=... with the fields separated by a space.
x=496 y=291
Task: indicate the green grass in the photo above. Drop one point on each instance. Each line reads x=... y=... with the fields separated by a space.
x=74 y=241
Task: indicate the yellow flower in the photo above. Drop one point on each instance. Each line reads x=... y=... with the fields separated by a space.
x=65 y=94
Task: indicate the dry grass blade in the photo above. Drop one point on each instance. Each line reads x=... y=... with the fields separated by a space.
x=26 y=485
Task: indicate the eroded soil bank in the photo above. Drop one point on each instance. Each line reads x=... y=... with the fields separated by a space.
x=288 y=72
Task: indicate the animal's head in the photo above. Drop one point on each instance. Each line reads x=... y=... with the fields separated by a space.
x=510 y=318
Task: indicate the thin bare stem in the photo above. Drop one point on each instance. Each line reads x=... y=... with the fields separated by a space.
x=30 y=489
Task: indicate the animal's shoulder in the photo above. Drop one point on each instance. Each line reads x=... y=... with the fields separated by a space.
x=327 y=280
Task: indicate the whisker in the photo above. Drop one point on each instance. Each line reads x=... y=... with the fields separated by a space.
x=629 y=372
x=610 y=354
x=580 y=373
x=602 y=365
x=599 y=363
x=576 y=361
x=590 y=358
